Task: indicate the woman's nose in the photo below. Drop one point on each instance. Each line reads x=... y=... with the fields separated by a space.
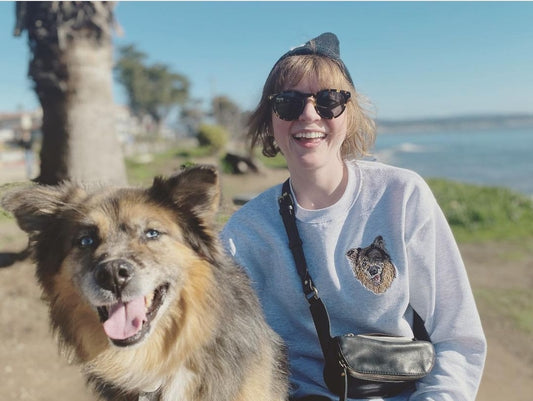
x=309 y=112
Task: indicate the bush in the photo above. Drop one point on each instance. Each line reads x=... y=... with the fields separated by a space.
x=213 y=137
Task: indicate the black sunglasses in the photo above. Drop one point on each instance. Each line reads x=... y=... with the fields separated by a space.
x=329 y=103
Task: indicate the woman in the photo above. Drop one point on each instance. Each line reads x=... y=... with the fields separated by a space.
x=348 y=207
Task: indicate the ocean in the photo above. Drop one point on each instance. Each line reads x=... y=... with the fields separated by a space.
x=495 y=157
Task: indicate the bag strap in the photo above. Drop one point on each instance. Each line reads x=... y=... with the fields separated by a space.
x=419 y=329
x=317 y=307
x=287 y=212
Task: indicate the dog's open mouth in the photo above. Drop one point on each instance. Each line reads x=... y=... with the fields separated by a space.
x=127 y=323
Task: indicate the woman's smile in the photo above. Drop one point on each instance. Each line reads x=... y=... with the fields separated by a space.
x=309 y=138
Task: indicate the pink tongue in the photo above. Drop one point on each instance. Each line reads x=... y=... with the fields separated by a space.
x=125 y=319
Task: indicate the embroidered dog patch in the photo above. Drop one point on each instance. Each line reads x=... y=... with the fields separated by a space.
x=372 y=266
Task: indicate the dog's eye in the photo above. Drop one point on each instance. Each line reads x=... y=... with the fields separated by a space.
x=152 y=234
x=86 y=241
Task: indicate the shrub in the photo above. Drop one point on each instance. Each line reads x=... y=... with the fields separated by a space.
x=213 y=137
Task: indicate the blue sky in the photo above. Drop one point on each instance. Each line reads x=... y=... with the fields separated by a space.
x=411 y=59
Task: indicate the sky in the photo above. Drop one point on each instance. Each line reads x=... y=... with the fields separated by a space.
x=410 y=59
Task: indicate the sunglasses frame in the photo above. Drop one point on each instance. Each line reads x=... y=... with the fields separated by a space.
x=302 y=97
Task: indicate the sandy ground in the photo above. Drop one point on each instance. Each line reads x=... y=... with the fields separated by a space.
x=32 y=369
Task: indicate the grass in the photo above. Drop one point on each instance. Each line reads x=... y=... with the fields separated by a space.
x=4 y=216
x=515 y=304
x=273 y=162
x=480 y=213
x=142 y=169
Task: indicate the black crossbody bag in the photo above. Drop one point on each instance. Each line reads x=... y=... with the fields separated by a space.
x=364 y=365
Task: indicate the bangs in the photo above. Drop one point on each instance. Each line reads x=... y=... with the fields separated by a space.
x=293 y=69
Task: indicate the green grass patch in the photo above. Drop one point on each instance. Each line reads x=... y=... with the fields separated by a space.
x=195 y=152
x=276 y=162
x=516 y=305
x=4 y=216
x=141 y=169
x=479 y=213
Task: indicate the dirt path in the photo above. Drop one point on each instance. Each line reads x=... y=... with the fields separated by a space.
x=509 y=368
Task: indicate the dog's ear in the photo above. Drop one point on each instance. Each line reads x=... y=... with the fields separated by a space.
x=353 y=254
x=195 y=189
x=34 y=206
x=379 y=242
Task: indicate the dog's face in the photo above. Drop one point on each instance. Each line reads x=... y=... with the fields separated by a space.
x=111 y=261
x=126 y=255
x=372 y=266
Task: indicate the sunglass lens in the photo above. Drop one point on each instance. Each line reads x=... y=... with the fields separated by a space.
x=330 y=104
x=288 y=106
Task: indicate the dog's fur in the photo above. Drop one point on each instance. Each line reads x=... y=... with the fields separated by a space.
x=372 y=266
x=199 y=334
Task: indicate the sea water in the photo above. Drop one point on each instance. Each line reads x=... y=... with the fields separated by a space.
x=495 y=157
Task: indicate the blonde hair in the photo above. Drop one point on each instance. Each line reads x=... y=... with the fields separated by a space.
x=361 y=129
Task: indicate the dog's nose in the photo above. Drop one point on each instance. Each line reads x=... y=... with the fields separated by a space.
x=114 y=275
x=373 y=270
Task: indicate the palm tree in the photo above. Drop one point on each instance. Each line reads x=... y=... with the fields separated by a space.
x=71 y=68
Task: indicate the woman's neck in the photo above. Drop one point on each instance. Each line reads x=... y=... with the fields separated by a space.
x=321 y=188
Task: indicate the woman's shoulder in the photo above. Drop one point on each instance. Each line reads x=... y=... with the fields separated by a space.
x=378 y=177
x=377 y=167
x=386 y=173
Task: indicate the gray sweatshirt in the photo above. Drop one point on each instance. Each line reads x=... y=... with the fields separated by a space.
x=385 y=247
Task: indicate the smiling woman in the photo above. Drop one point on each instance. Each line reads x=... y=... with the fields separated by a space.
x=370 y=233
x=336 y=90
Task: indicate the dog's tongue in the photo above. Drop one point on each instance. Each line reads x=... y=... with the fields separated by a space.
x=125 y=319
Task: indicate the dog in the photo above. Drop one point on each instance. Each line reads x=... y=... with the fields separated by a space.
x=372 y=266
x=141 y=294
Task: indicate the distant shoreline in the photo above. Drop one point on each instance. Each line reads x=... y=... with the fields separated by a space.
x=511 y=121
x=492 y=155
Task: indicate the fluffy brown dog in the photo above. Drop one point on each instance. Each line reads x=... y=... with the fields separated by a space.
x=141 y=294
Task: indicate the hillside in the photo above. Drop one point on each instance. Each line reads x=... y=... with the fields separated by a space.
x=456 y=123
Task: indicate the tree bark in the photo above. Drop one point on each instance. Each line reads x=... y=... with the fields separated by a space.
x=72 y=71
x=95 y=152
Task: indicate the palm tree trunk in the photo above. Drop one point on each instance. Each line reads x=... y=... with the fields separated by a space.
x=71 y=68
x=95 y=152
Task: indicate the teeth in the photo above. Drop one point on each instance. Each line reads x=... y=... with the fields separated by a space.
x=148 y=300
x=309 y=135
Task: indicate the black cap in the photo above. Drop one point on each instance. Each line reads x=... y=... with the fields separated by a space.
x=325 y=45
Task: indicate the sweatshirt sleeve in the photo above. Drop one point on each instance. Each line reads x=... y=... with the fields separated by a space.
x=440 y=292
